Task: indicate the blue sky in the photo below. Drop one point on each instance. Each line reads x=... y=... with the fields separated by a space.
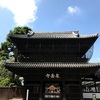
x=52 y=15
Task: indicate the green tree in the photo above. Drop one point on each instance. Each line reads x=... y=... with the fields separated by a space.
x=7 y=48
x=5 y=82
x=7 y=53
x=4 y=73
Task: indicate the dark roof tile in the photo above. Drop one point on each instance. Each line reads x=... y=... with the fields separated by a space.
x=51 y=65
x=71 y=34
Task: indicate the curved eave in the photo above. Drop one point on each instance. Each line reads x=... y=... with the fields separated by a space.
x=51 y=65
x=24 y=68
x=58 y=36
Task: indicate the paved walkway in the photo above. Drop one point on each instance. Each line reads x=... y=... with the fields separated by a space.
x=16 y=99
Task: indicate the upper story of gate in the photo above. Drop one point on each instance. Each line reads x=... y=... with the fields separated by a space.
x=67 y=46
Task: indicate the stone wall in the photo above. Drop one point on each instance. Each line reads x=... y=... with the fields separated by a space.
x=11 y=92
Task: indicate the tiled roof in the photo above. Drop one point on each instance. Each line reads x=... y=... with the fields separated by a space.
x=51 y=65
x=71 y=34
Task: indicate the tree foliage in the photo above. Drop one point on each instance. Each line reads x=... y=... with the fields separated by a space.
x=7 y=48
x=4 y=82
x=4 y=73
x=7 y=53
x=15 y=82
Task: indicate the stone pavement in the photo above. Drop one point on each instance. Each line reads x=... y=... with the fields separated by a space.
x=16 y=99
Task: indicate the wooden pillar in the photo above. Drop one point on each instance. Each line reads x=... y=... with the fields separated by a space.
x=81 y=94
x=63 y=91
x=25 y=89
x=95 y=85
x=41 y=91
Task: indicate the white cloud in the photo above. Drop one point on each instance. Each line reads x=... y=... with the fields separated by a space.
x=24 y=11
x=73 y=10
